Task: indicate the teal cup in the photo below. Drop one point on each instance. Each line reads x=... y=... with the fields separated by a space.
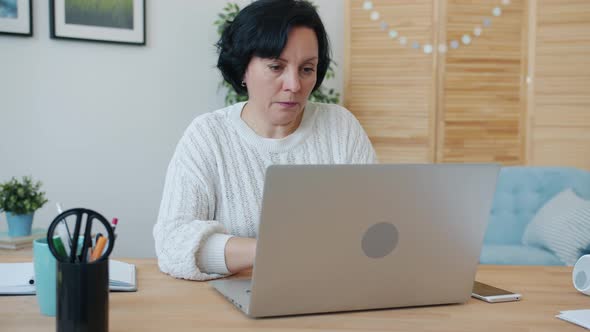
x=45 y=266
x=45 y=271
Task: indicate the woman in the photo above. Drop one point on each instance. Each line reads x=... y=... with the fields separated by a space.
x=276 y=52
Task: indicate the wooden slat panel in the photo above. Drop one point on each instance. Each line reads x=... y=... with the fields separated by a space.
x=482 y=104
x=390 y=88
x=561 y=114
x=480 y=89
x=562 y=146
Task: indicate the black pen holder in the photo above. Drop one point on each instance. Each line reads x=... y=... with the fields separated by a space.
x=83 y=297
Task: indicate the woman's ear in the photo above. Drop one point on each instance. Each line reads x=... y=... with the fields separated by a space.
x=245 y=77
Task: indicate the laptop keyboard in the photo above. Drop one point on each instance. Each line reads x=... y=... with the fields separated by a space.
x=236 y=303
x=238 y=292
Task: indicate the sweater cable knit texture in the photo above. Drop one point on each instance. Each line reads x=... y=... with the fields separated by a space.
x=215 y=180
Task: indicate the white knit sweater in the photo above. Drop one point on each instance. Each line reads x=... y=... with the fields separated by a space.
x=214 y=182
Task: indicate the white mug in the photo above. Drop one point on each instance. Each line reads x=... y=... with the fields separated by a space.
x=581 y=275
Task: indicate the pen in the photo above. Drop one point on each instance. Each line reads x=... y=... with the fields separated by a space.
x=75 y=239
x=64 y=233
x=60 y=210
x=87 y=241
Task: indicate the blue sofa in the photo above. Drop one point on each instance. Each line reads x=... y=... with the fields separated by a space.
x=520 y=192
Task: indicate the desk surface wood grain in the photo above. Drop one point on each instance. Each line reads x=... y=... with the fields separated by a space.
x=167 y=304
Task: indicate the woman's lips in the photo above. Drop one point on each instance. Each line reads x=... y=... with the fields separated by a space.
x=288 y=104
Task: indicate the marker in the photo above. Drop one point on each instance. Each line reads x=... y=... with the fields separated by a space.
x=59 y=246
x=114 y=223
x=62 y=234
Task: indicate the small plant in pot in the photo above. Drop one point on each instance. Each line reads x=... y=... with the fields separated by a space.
x=20 y=200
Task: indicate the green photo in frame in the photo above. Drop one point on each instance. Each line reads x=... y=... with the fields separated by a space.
x=113 y=21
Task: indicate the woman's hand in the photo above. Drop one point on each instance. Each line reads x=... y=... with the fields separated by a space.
x=240 y=253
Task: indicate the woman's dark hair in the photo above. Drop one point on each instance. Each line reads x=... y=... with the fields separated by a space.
x=261 y=29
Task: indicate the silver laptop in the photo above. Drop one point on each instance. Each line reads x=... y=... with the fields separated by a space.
x=356 y=237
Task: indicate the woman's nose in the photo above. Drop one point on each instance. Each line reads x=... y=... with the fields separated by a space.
x=292 y=81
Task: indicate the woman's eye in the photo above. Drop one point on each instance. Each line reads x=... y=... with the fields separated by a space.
x=308 y=70
x=274 y=67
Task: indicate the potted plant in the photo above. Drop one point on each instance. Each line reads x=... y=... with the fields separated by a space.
x=20 y=200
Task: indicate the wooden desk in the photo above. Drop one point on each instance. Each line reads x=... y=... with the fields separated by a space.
x=166 y=304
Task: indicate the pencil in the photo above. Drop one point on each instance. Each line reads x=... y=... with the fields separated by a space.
x=97 y=251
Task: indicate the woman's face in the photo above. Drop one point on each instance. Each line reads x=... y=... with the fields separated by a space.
x=279 y=88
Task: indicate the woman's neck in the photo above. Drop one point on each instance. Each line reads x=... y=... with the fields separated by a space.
x=264 y=128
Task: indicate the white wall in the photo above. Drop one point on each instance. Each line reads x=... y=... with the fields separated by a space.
x=98 y=123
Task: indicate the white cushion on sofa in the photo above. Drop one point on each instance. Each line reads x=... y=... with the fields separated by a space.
x=562 y=225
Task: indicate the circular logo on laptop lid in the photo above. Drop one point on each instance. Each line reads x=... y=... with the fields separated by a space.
x=380 y=240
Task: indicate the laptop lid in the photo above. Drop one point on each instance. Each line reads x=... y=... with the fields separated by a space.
x=354 y=237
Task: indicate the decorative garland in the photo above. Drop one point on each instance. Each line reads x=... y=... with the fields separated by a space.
x=466 y=38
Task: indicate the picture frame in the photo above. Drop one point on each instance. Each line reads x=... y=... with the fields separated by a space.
x=108 y=21
x=16 y=17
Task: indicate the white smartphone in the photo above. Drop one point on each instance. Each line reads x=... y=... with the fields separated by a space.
x=492 y=294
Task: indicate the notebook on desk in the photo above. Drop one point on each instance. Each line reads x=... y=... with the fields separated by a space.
x=21 y=242
x=16 y=278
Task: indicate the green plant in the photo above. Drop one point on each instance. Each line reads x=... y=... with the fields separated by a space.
x=23 y=197
x=321 y=95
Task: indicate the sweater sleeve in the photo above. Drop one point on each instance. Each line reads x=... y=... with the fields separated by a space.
x=185 y=221
x=359 y=146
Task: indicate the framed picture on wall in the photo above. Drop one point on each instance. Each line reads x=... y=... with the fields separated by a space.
x=112 y=21
x=16 y=17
